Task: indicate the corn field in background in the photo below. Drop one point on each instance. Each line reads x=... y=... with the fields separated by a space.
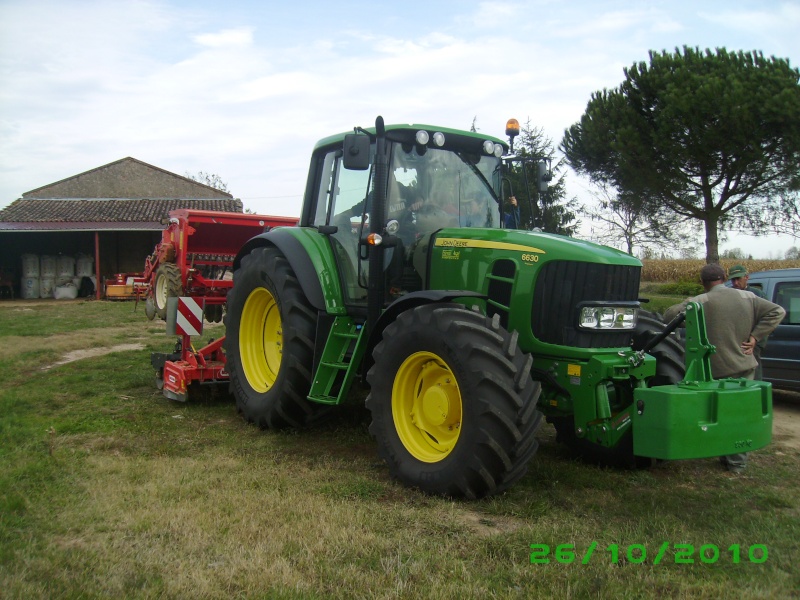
x=672 y=270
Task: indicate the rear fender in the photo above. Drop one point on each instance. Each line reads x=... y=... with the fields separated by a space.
x=311 y=259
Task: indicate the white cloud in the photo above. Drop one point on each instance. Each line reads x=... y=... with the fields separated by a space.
x=242 y=36
x=278 y=84
x=766 y=20
x=497 y=14
x=245 y=94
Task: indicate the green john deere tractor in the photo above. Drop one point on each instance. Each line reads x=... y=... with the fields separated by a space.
x=403 y=274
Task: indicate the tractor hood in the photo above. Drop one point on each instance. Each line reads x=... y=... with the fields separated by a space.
x=534 y=246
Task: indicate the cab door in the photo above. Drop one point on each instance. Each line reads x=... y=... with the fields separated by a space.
x=342 y=204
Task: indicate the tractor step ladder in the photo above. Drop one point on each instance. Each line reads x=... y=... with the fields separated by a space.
x=339 y=362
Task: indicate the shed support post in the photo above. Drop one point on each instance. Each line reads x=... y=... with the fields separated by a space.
x=97 y=264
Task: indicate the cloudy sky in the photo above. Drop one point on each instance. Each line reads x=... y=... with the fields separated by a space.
x=244 y=89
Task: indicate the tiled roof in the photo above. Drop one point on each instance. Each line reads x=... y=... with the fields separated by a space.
x=106 y=210
x=126 y=178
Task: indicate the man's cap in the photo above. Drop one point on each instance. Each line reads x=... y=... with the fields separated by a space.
x=712 y=273
x=737 y=271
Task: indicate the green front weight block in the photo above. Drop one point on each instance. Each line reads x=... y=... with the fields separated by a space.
x=702 y=419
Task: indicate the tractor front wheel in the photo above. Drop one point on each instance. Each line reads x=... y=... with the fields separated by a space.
x=149 y=308
x=453 y=403
x=270 y=327
x=167 y=285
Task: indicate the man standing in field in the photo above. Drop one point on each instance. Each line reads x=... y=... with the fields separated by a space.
x=735 y=321
x=739 y=277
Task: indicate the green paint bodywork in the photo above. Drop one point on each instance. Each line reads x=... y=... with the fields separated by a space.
x=580 y=380
x=701 y=417
x=319 y=250
x=457 y=266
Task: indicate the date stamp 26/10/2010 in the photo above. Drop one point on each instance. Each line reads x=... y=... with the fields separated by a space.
x=637 y=554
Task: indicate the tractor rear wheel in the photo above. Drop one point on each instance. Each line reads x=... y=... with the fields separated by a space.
x=167 y=285
x=670 y=369
x=269 y=344
x=453 y=403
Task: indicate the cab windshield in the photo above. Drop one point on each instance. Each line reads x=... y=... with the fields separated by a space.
x=427 y=190
x=442 y=188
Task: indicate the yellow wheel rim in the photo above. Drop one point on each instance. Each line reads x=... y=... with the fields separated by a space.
x=260 y=340
x=426 y=407
x=161 y=291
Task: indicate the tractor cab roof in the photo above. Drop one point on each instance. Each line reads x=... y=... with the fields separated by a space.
x=471 y=140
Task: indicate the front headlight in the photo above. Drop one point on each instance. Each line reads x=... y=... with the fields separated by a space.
x=608 y=316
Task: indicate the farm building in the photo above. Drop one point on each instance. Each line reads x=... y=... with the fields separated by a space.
x=110 y=217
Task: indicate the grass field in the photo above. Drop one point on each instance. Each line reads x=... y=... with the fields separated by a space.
x=108 y=490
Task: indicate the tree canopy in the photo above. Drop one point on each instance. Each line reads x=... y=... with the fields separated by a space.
x=712 y=136
x=551 y=210
x=210 y=179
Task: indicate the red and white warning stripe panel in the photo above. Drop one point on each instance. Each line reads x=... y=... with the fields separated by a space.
x=190 y=316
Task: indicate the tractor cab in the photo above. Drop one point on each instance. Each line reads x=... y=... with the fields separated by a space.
x=429 y=180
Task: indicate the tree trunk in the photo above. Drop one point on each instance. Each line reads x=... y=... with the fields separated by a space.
x=712 y=240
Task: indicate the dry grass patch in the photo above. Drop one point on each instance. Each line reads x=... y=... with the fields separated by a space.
x=483 y=525
x=219 y=523
x=108 y=490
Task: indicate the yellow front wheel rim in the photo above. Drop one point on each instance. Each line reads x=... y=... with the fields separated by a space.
x=426 y=407
x=261 y=340
x=161 y=291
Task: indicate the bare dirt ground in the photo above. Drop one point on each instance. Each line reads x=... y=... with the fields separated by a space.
x=90 y=352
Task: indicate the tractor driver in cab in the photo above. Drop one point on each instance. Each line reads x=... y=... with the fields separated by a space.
x=403 y=200
x=428 y=191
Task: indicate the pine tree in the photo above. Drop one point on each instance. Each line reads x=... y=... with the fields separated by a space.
x=551 y=210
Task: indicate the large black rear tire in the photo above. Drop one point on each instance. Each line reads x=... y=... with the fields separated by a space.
x=269 y=343
x=453 y=403
x=670 y=368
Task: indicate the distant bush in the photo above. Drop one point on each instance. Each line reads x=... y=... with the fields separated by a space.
x=681 y=288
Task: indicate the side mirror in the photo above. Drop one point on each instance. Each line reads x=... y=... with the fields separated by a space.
x=356 y=152
x=543 y=175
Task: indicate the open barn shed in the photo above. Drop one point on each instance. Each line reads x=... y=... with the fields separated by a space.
x=110 y=217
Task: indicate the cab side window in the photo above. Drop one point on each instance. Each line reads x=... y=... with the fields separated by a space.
x=325 y=195
x=341 y=194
